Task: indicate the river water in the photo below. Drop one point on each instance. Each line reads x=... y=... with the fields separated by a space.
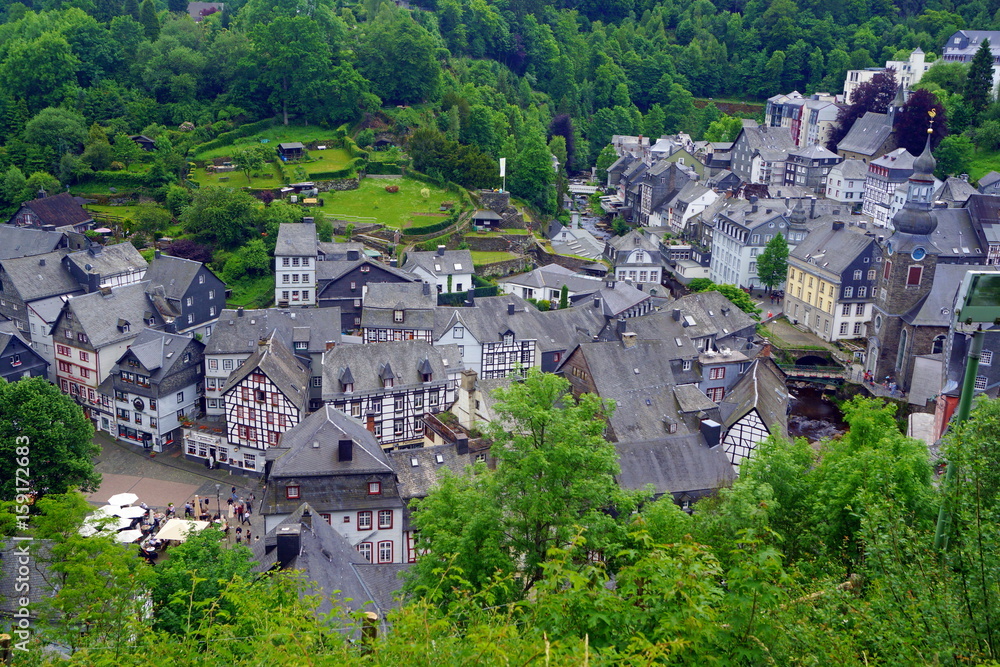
x=813 y=415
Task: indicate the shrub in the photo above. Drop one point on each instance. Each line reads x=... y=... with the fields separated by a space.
x=117 y=166
x=392 y=188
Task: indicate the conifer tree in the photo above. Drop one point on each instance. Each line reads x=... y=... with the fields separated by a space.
x=979 y=82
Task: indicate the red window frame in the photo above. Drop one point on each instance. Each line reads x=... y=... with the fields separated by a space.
x=292 y=492
x=385 y=525
x=367 y=515
x=374 y=488
x=716 y=394
x=380 y=545
x=364 y=547
x=914 y=275
x=718 y=373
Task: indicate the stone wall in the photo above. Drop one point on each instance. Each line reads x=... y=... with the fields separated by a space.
x=516 y=243
x=338 y=184
x=543 y=258
x=499 y=202
x=505 y=268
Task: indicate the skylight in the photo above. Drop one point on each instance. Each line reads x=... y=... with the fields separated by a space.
x=458 y=267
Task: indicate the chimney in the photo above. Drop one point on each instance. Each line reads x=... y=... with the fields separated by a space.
x=41 y=194
x=838 y=225
x=330 y=345
x=597 y=302
x=628 y=340
x=440 y=251
x=352 y=255
x=510 y=309
x=170 y=327
x=427 y=289
x=308 y=220
x=712 y=430
x=394 y=263
x=307 y=518
x=289 y=539
x=41 y=262
x=370 y=421
x=812 y=208
x=471 y=300
x=677 y=314
x=462 y=445
x=638 y=286
x=345 y=449
x=239 y=312
x=753 y=208
x=620 y=326
x=95 y=249
x=964 y=177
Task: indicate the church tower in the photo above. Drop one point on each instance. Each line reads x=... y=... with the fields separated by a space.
x=905 y=268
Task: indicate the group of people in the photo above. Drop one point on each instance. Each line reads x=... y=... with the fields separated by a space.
x=241 y=508
x=888 y=383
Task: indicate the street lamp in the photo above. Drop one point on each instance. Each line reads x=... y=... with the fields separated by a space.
x=978 y=304
x=218 y=504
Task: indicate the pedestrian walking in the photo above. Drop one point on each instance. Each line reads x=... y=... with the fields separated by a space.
x=248 y=536
x=249 y=502
x=232 y=511
x=239 y=511
x=239 y=534
x=171 y=511
x=247 y=514
x=188 y=510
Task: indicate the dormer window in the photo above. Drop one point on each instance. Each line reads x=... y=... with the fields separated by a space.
x=388 y=382
x=15 y=360
x=508 y=339
x=397 y=316
x=348 y=387
x=365 y=268
x=425 y=377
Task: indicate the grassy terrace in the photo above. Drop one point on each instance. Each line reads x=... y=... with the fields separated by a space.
x=274 y=135
x=982 y=163
x=401 y=210
x=481 y=257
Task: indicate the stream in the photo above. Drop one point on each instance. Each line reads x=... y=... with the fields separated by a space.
x=813 y=415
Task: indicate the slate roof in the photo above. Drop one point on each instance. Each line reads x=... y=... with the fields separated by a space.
x=955 y=190
x=814 y=152
x=110 y=260
x=330 y=270
x=763 y=387
x=40 y=276
x=49 y=308
x=452 y=261
x=334 y=566
x=158 y=352
x=867 y=135
x=854 y=170
x=334 y=251
x=416 y=481
x=234 y=334
x=291 y=145
x=641 y=381
x=417 y=300
x=899 y=159
x=984 y=212
x=701 y=314
x=935 y=309
x=326 y=427
x=59 y=210
x=174 y=274
x=99 y=313
x=296 y=238
x=832 y=250
x=553 y=276
x=956 y=236
x=773 y=142
x=674 y=464
x=276 y=361
x=38 y=578
x=617 y=299
x=26 y=241
x=989 y=179
x=628 y=243
x=366 y=364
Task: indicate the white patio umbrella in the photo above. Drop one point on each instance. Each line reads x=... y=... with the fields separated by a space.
x=101 y=521
x=122 y=524
x=122 y=499
x=179 y=529
x=127 y=536
x=131 y=512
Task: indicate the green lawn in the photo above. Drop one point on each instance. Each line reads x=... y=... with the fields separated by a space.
x=249 y=293
x=982 y=163
x=396 y=209
x=275 y=135
x=481 y=257
x=237 y=179
x=121 y=211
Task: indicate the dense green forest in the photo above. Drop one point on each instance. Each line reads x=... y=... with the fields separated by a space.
x=815 y=556
x=497 y=77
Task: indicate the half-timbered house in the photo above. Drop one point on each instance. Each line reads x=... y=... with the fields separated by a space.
x=333 y=463
x=756 y=407
x=263 y=398
x=391 y=386
x=308 y=332
x=343 y=280
x=398 y=312
x=154 y=386
x=111 y=266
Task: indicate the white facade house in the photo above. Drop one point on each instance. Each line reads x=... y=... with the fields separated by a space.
x=449 y=270
x=295 y=256
x=908 y=73
x=846 y=182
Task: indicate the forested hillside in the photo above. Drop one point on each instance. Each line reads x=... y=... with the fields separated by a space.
x=501 y=78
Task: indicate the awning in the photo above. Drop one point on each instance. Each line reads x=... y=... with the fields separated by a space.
x=178 y=530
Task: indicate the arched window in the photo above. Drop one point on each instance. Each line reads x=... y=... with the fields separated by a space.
x=901 y=353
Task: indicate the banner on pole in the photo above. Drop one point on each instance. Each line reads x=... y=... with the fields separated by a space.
x=503 y=167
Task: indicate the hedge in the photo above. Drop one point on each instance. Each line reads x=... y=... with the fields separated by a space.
x=281 y=171
x=125 y=179
x=228 y=138
x=458 y=298
x=429 y=229
x=379 y=168
x=346 y=172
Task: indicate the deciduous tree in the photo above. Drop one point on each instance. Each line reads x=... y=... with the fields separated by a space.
x=772 y=264
x=47 y=431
